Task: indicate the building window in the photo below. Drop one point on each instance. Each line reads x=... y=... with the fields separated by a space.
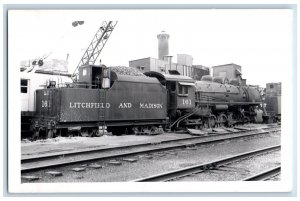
x=183 y=90
x=140 y=67
x=271 y=86
x=24 y=86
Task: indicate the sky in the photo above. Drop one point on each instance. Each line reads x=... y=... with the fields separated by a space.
x=259 y=40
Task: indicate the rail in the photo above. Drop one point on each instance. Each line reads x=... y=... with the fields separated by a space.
x=264 y=175
x=54 y=160
x=166 y=176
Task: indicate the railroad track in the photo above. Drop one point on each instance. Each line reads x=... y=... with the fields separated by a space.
x=265 y=175
x=40 y=157
x=196 y=169
x=68 y=158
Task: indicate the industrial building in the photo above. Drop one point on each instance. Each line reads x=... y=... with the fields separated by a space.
x=229 y=71
x=273 y=88
x=272 y=98
x=184 y=65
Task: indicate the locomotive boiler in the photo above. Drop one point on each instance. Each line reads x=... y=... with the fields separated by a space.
x=220 y=102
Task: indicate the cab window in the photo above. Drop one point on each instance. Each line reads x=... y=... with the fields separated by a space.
x=24 y=86
x=183 y=90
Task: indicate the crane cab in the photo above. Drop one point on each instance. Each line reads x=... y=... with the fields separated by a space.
x=94 y=77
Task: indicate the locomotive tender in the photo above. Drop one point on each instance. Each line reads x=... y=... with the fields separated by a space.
x=101 y=99
x=273 y=101
x=104 y=100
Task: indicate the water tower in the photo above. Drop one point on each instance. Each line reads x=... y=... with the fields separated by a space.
x=163 y=45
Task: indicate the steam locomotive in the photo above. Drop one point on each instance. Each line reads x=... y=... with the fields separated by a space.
x=105 y=100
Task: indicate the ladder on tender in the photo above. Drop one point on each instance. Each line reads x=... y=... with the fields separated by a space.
x=101 y=110
x=102 y=114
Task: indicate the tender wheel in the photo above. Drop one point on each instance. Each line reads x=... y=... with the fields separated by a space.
x=36 y=135
x=153 y=130
x=92 y=132
x=135 y=130
x=99 y=133
x=246 y=120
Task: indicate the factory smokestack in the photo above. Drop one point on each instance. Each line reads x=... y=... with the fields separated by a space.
x=163 y=44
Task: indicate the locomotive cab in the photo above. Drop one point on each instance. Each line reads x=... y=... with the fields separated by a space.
x=181 y=92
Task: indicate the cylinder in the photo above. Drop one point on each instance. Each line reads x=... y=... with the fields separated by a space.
x=221 y=107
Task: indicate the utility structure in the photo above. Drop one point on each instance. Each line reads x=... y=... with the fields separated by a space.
x=163 y=45
x=94 y=49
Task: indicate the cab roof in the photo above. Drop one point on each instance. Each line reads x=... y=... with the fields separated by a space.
x=169 y=77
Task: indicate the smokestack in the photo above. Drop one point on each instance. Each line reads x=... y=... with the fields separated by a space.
x=163 y=44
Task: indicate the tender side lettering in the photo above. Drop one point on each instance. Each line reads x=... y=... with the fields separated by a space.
x=46 y=103
x=78 y=105
x=89 y=105
x=151 y=105
x=125 y=105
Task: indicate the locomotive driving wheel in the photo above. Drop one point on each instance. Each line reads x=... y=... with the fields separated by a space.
x=212 y=121
x=230 y=120
x=50 y=133
x=205 y=123
x=222 y=119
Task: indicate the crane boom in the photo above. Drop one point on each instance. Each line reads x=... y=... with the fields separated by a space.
x=99 y=40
